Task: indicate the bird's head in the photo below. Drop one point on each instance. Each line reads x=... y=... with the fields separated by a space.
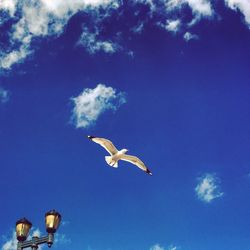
x=124 y=151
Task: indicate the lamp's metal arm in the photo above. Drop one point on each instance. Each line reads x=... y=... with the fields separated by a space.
x=35 y=241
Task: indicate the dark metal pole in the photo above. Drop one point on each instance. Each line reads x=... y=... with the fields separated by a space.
x=36 y=241
x=34 y=245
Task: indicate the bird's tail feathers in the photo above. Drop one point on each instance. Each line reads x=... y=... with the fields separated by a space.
x=111 y=162
x=108 y=159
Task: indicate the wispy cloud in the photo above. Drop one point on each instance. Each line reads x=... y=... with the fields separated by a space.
x=4 y=95
x=92 y=44
x=243 y=6
x=156 y=247
x=189 y=36
x=173 y=25
x=8 y=6
x=91 y=103
x=208 y=188
x=38 y=19
x=173 y=247
x=36 y=233
x=11 y=243
x=159 y=247
x=199 y=8
x=62 y=239
x=34 y=20
x=138 y=28
x=65 y=223
x=15 y=56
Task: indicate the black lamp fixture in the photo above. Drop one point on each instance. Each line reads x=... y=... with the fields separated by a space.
x=52 y=222
x=22 y=229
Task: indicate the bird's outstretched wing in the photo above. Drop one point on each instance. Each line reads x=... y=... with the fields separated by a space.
x=136 y=161
x=108 y=145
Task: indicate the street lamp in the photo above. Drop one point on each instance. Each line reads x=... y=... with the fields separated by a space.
x=22 y=229
x=52 y=221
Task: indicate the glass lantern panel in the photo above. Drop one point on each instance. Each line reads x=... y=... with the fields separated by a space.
x=52 y=221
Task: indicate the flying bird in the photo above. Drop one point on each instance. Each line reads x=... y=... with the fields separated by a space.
x=116 y=155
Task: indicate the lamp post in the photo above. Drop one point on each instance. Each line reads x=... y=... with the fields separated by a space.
x=52 y=222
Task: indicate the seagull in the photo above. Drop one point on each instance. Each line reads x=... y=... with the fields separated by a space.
x=116 y=155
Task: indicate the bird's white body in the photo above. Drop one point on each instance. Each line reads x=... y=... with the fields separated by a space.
x=116 y=155
x=113 y=159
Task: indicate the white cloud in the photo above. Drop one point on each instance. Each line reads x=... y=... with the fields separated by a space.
x=11 y=244
x=208 y=188
x=201 y=7
x=156 y=247
x=4 y=95
x=189 y=36
x=138 y=28
x=34 y=20
x=173 y=247
x=8 y=6
x=62 y=7
x=173 y=25
x=65 y=223
x=150 y=3
x=198 y=7
x=91 y=103
x=62 y=239
x=159 y=247
x=243 y=6
x=36 y=233
x=15 y=56
x=93 y=44
x=40 y=18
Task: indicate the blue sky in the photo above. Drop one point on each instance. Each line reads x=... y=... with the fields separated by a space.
x=168 y=80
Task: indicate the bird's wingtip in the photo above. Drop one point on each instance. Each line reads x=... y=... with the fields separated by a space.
x=149 y=172
x=91 y=137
